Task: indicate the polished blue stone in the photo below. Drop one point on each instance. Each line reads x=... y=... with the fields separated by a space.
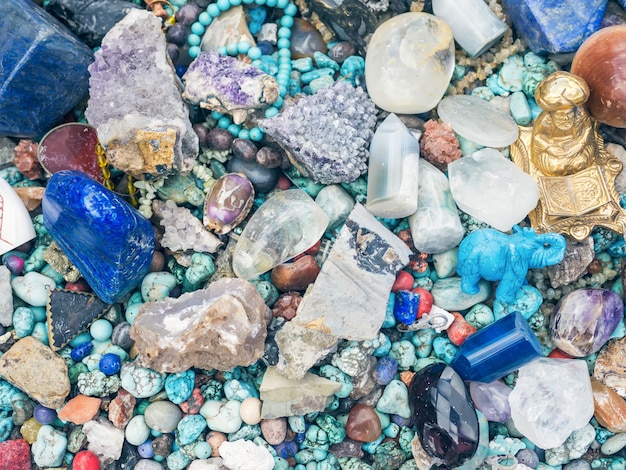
x=406 y=306
x=109 y=241
x=497 y=350
x=44 y=70
x=81 y=351
x=110 y=364
x=555 y=26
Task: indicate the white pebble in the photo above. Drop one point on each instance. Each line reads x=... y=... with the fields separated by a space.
x=250 y=411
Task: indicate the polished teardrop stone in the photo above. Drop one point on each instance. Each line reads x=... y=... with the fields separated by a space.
x=71 y=147
x=608 y=407
x=305 y=40
x=363 y=424
x=441 y=410
x=228 y=202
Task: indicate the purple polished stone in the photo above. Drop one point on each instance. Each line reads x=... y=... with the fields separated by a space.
x=44 y=415
x=492 y=400
x=228 y=202
x=584 y=320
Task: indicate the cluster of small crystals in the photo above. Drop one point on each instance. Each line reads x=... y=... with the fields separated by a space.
x=328 y=132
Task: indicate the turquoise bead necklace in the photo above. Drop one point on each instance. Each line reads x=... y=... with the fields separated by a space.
x=283 y=44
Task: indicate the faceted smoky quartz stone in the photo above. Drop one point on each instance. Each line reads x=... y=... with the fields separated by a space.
x=445 y=418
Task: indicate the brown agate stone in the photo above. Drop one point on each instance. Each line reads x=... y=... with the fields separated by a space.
x=601 y=62
x=297 y=275
x=609 y=407
x=363 y=424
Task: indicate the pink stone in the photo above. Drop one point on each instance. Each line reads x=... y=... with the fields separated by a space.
x=15 y=455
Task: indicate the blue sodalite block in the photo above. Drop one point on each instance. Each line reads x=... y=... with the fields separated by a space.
x=555 y=26
x=109 y=241
x=43 y=73
x=497 y=350
x=406 y=306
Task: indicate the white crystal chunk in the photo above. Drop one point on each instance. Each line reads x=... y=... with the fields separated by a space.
x=493 y=189
x=436 y=226
x=393 y=170
x=285 y=225
x=478 y=121
x=16 y=226
x=474 y=26
x=409 y=63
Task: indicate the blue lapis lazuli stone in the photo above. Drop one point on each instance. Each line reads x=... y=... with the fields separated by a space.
x=406 y=306
x=555 y=26
x=497 y=350
x=44 y=70
x=109 y=241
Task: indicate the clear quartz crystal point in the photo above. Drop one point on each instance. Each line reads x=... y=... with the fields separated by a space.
x=436 y=225
x=474 y=26
x=393 y=170
x=285 y=225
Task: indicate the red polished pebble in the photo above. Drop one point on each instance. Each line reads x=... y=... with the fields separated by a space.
x=86 y=460
x=404 y=281
x=71 y=147
x=558 y=354
x=193 y=404
x=79 y=286
x=460 y=330
x=283 y=183
x=15 y=455
x=363 y=424
x=426 y=301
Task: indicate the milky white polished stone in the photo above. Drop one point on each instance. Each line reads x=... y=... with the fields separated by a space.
x=393 y=170
x=475 y=27
x=478 y=121
x=16 y=226
x=409 y=63
x=493 y=189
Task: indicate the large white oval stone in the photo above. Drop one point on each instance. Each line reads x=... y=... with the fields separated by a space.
x=409 y=63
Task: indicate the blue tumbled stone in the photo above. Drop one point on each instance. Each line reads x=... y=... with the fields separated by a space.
x=406 y=306
x=43 y=73
x=555 y=26
x=81 y=351
x=109 y=241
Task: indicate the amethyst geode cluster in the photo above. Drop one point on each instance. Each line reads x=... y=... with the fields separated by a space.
x=327 y=134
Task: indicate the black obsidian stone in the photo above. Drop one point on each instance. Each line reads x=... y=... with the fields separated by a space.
x=443 y=414
x=263 y=179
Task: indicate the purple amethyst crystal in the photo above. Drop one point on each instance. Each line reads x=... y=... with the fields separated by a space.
x=492 y=400
x=584 y=320
x=441 y=410
x=227 y=85
x=228 y=202
x=327 y=134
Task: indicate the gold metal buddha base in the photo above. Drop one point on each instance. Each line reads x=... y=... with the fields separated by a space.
x=565 y=155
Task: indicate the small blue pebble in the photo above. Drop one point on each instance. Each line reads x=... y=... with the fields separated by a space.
x=385 y=371
x=399 y=420
x=265 y=47
x=180 y=70
x=406 y=306
x=110 y=364
x=286 y=449
x=300 y=436
x=44 y=415
x=81 y=351
x=145 y=450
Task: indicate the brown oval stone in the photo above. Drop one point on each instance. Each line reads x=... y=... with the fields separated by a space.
x=269 y=157
x=274 y=430
x=121 y=408
x=297 y=275
x=363 y=424
x=608 y=407
x=216 y=439
x=219 y=139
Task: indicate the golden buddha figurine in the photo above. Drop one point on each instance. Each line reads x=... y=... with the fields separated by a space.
x=565 y=155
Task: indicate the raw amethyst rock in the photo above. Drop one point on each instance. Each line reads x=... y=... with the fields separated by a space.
x=492 y=400
x=228 y=203
x=227 y=85
x=441 y=410
x=584 y=320
x=326 y=135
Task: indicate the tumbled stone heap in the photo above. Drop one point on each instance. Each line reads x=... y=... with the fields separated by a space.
x=135 y=102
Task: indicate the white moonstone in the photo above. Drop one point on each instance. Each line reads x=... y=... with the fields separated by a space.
x=493 y=189
x=393 y=170
x=551 y=399
x=245 y=455
x=475 y=27
x=409 y=63
x=16 y=227
x=436 y=226
x=478 y=120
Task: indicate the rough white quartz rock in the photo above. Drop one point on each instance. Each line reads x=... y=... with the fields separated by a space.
x=393 y=173
x=551 y=399
x=436 y=226
x=491 y=188
x=245 y=455
x=475 y=27
x=134 y=95
x=6 y=297
x=104 y=440
x=409 y=63
x=478 y=120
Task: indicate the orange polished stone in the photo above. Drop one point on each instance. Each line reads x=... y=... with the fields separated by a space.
x=601 y=62
x=609 y=407
x=459 y=331
x=80 y=409
x=297 y=275
x=363 y=424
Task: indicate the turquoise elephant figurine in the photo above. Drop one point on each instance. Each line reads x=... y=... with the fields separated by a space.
x=495 y=256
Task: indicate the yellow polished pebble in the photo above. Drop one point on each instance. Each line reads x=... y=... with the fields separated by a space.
x=30 y=429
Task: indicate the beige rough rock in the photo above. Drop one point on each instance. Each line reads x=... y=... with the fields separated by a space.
x=32 y=367
x=220 y=327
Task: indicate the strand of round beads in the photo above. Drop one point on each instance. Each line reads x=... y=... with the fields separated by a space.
x=254 y=53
